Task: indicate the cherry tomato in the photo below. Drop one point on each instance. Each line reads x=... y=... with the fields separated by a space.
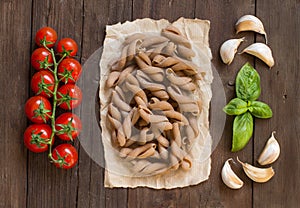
x=47 y=35
x=68 y=126
x=41 y=58
x=66 y=156
x=42 y=83
x=69 y=96
x=36 y=137
x=70 y=70
x=67 y=46
x=38 y=109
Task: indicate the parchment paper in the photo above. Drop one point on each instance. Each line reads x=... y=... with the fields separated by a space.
x=117 y=172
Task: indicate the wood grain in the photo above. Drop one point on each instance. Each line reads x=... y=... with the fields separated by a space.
x=29 y=180
x=280 y=89
x=14 y=59
x=49 y=186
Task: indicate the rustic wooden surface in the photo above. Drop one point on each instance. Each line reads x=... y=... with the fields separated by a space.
x=29 y=180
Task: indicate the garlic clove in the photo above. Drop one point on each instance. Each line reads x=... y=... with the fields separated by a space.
x=250 y=23
x=261 y=51
x=270 y=152
x=229 y=49
x=229 y=177
x=256 y=174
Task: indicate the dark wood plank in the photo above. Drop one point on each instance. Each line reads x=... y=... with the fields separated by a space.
x=280 y=89
x=14 y=46
x=213 y=193
x=91 y=191
x=47 y=185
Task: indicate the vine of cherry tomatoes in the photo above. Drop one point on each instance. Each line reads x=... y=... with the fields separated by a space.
x=54 y=85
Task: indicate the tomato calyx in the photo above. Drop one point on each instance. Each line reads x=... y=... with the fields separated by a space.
x=61 y=161
x=43 y=87
x=65 y=98
x=37 y=139
x=66 y=129
x=66 y=75
x=42 y=112
x=45 y=64
x=65 y=52
x=44 y=42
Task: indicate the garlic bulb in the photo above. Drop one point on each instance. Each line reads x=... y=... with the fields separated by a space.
x=261 y=51
x=229 y=48
x=229 y=177
x=259 y=175
x=250 y=23
x=271 y=151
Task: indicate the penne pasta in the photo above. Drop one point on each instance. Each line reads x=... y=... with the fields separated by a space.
x=133 y=37
x=176 y=38
x=112 y=79
x=156 y=104
x=185 y=52
x=154 y=40
x=114 y=112
x=117 y=101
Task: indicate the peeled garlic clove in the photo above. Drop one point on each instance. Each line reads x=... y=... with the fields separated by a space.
x=271 y=151
x=229 y=177
x=261 y=51
x=229 y=48
x=259 y=175
x=250 y=23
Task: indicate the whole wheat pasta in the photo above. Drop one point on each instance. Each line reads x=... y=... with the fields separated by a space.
x=154 y=40
x=185 y=52
x=163 y=141
x=175 y=37
x=132 y=80
x=176 y=94
x=120 y=92
x=121 y=136
x=127 y=124
x=114 y=112
x=152 y=52
x=151 y=118
x=163 y=152
x=148 y=85
x=121 y=62
x=112 y=79
x=114 y=122
x=140 y=101
x=174 y=162
x=133 y=48
x=186 y=163
x=177 y=151
x=156 y=104
x=177 y=116
x=164 y=62
x=190 y=108
x=143 y=136
x=176 y=134
x=177 y=80
x=128 y=70
x=169 y=49
x=142 y=151
x=135 y=116
x=162 y=94
x=119 y=102
x=162 y=126
x=133 y=37
x=137 y=91
x=189 y=86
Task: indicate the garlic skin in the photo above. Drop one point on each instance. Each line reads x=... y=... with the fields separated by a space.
x=261 y=51
x=270 y=152
x=250 y=23
x=229 y=49
x=260 y=175
x=229 y=177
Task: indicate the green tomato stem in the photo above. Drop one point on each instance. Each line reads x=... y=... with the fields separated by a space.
x=52 y=117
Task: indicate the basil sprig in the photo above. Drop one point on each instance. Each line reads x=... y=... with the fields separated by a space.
x=245 y=106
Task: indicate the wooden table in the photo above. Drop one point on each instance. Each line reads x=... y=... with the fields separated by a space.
x=29 y=180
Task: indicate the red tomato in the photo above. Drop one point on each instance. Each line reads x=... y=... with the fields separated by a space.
x=41 y=58
x=68 y=126
x=67 y=46
x=70 y=70
x=69 y=96
x=38 y=109
x=36 y=137
x=42 y=83
x=66 y=156
x=47 y=35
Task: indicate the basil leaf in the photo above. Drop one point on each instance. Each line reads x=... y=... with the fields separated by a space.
x=247 y=84
x=260 y=109
x=242 y=131
x=236 y=107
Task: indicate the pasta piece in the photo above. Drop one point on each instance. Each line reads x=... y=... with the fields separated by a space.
x=163 y=152
x=174 y=79
x=121 y=136
x=114 y=122
x=186 y=163
x=143 y=136
x=177 y=116
x=133 y=37
x=120 y=64
x=127 y=125
x=112 y=79
x=114 y=112
x=164 y=62
x=132 y=80
x=128 y=70
x=139 y=152
x=150 y=117
x=185 y=52
x=162 y=126
x=190 y=108
x=163 y=141
x=162 y=94
x=156 y=104
x=135 y=116
x=154 y=40
x=176 y=134
x=177 y=95
x=119 y=102
x=137 y=91
x=156 y=50
x=175 y=37
x=133 y=48
x=169 y=49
